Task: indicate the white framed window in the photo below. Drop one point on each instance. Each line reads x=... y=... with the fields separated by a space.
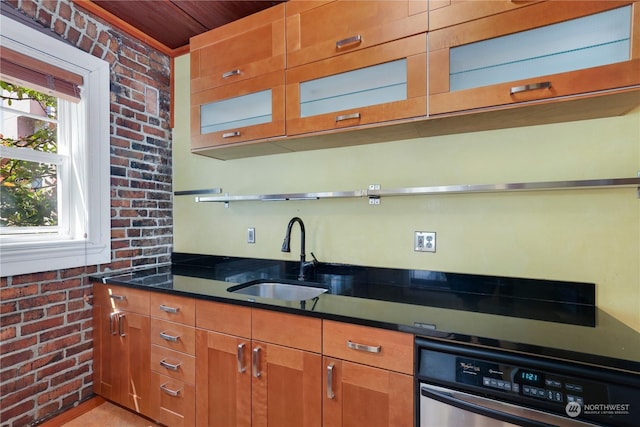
x=77 y=231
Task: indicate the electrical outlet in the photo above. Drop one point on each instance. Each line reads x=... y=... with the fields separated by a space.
x=424 y=241
x=251 y=235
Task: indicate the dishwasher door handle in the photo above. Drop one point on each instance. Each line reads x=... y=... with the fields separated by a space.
x=497 y=409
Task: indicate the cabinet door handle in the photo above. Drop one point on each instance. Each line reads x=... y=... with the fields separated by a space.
x=168 y=309
x=330 y=393
x=172 y=338
x=363 y=347
x=230 y=74
x=170 y=392
x=532 y=86
x=231 y=134
x=349 y=40
x=113 y=319
x=256 y=367
x=241 y=367
x=121 y=324
x=348 y=117
x=118 y=297
x=170 y=366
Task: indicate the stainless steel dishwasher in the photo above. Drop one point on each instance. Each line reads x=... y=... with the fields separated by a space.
x=465 y=386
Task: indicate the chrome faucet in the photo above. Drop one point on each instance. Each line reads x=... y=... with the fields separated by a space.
x=304 y=265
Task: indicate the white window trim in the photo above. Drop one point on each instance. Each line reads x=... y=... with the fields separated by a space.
x=53 y=253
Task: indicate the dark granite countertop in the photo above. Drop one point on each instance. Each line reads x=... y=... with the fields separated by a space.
x=540 y=317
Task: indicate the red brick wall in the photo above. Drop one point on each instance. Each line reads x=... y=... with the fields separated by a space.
x=45 y=322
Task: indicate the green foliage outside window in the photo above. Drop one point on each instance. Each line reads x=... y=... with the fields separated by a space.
x=28 y=190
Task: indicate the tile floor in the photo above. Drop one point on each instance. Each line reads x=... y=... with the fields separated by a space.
x=110 y=415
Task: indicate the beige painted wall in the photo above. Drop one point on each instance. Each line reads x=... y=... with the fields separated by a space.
x=585 y=235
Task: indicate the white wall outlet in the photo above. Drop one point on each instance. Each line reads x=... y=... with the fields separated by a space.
x=424 y=241
x=251 y=235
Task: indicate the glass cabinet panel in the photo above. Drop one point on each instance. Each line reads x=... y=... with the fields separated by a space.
x=238 y=112
x=378 y=84
x=600 y=39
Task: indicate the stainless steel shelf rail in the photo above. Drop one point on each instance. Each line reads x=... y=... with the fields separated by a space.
x=374 y=192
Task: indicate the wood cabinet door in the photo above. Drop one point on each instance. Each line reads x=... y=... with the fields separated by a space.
x=444 y=13
x=223 y=380
x=542 y=82
x=356 y=395
x=104 y=346
x=286 y=387
x=318 y=30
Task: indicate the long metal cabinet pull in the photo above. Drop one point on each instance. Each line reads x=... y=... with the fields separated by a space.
x=168 y=309
x=166 y=336
x=230 y=73
x=113 y=320
x=347 y=117
x=170 y=365
x=231 y=134
x=118 y=297
x=330 y=393
x=170 y=392
x=349 y=40
x=363 y=347
x=241 y=367
x=532 y=86
x=121 y=324
x=256 y=367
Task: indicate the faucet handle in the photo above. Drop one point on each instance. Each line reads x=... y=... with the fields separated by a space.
x=315 y=260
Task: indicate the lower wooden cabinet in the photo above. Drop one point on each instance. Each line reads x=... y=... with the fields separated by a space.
x=357 y=395
x=173 y=401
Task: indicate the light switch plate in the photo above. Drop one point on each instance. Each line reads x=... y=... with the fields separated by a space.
x=251 y=235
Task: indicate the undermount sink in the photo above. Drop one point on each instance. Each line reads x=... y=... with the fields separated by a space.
x=280 y=289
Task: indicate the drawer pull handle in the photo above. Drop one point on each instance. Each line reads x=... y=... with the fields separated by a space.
x=231 y=134
x=170 y=392
x=166 y=336
x=113 y=319
x=118 y=297
x=168 y=309
x=241 y=367
x=532 y=86
x=363 y=347
x=170 y=366
x=348 y=117
x=256 y=367
x=330 y=393
x=349 y=40
x=121 y=324
x=230 y=74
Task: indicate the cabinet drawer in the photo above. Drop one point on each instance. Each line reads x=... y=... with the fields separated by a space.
x=174 y=308
x=179 y=366
x=358 y=89
x=371 y=346
x=290 y=330
x=238 y=112
x=240 y=50
x=543 y=51
x=226 y=318
x=172 y=401
x=445 y=13
x=120 y=298
x=318 y=30
x=174 y=336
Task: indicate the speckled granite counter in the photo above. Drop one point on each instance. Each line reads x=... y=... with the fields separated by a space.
x=554 y=319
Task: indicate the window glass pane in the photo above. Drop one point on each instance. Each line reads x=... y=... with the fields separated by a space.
x=28 y=194
x=28 y=119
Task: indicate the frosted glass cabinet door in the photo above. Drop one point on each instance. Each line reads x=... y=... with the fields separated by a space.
x=244 y=111
x=382 y=83
x=546 y=50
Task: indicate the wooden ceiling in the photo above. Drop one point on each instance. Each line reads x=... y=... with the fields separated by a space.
x=168 y=24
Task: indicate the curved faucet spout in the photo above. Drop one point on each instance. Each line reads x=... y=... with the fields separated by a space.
x=286 y=245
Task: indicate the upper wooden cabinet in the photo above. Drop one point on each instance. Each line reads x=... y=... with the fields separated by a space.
x=545 y=50
x=444 y=13
x=237 y=81
x=321 y=29
x=382 y=83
